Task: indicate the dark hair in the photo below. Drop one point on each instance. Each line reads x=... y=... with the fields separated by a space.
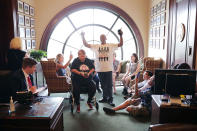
x=149 y=73
x=176 y=66
x=82 y=51
x=136 y=57
x=28 y=62
x=183 y=66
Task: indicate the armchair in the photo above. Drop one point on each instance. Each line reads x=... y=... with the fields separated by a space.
x=55 y=83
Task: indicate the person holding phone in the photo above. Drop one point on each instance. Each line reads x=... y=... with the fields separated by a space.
x=104 y=64
x=140 y=105
x=60 y=67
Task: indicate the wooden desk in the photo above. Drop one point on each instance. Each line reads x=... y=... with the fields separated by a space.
x=171 y=114
x=41 y=116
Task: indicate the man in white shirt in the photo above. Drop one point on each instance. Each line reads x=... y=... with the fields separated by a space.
x=104 y=64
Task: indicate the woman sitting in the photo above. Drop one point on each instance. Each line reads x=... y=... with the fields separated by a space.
x=60 y=68
x=131 y=72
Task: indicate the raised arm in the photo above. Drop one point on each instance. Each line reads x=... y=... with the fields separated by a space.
x=64 y=66
x=84 y=40
x=121 y=39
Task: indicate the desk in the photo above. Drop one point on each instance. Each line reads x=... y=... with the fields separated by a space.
x=42 y=116
x=171 y=114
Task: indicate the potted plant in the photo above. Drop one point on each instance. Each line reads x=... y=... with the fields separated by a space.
x=38 y=54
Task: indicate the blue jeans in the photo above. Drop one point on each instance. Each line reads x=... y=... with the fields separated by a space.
x=106 y=84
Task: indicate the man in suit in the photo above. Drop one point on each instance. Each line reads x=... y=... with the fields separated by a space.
x=22 y=79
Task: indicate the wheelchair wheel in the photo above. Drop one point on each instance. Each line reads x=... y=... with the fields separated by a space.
x=97 y=106
x=71 y=100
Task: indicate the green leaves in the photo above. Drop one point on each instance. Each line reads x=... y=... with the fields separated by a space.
x=38 y=54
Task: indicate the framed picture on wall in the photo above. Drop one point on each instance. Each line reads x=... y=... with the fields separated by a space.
x=33 y=34
x=158 y=20
x=28 y=42
x=162 y=31
x=155 y=32
x=21 y=19
x=155 y=20
x=163 y=5
x=155 y=10
x=26 y=8
x=158 y=44
x=31 y=11
x=33 y=44
x=152 y=11
x=158 y=31
x=32 y=22
x=21 y=32
x=163 y=18
x=158 y=8
x=20 y=6
x=27 y=21
x=23 y=44
x=151 y=43
x=27 y=32
x=151 y=32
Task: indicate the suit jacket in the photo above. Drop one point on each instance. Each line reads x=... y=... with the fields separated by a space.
x=18 y=82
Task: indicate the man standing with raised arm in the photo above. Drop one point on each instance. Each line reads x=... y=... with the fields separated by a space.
x=104 y=64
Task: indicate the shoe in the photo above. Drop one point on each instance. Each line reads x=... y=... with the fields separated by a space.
x=90 y=106
x=111 y=103
x=108 y=110
x=78 y=108
x=103 y=101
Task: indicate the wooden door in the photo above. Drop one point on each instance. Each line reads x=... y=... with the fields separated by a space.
x=182 y=32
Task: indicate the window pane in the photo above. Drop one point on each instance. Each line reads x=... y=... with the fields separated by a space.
x=126 y=32
x=98 y=31
x=67 y=52
x=82 y=17
x=104 y=17
x=128 y=48
x=76 y=41
x=62 y=30
x=54 y=48
x=118 y=54
x=111 y=38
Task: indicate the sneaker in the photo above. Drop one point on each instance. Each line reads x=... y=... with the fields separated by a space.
x=78 y=108
x=108 y=110
x=103 y=101
x=90 y=106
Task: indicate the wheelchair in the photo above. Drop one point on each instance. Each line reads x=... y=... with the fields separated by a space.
x=83 y=90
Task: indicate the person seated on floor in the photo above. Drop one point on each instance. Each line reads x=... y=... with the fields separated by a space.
x=139 y=106
x=142 y=85
x=131 y=72
x=116 y=68
x=96 y=79
x=82 y=69
x=22 y=79
x=61 y=69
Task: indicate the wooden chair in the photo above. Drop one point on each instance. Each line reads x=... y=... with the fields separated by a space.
x=55 y=83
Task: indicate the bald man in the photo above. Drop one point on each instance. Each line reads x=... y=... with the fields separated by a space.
x=104 y=64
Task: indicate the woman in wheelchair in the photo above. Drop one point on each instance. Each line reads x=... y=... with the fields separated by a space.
x=82 y=69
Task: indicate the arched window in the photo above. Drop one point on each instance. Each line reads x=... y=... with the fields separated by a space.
x=65 y=36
